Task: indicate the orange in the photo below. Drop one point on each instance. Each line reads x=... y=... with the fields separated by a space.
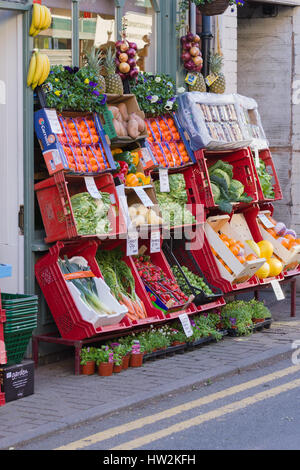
x=251 y=257
x=289 y=237
x=234 y=250
x=241 y=259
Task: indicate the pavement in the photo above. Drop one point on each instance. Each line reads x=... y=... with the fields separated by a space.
x=62 y=400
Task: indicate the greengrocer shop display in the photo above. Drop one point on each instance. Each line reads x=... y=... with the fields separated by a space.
x=129 y=167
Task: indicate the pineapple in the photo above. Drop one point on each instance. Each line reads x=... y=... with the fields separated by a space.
x=199 y=85
x=95 y=62
x=216 y=63
x=114 y=83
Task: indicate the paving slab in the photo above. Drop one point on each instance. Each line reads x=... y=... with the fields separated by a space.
x=62 y=399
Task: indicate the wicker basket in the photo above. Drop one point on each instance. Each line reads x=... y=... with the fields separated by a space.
x=216 y=7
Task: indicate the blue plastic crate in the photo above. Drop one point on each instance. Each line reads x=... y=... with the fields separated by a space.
x=5 y=270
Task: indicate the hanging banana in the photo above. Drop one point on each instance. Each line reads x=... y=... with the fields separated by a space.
x=41 y=19
x=39 y=69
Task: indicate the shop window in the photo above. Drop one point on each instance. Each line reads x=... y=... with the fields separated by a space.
x=140 y=28
x=96 y=25
x=57 y=40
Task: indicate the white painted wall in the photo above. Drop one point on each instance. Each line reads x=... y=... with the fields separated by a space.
x=11 y=148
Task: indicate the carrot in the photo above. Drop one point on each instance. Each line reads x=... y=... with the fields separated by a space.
x=131 y=317
x=142 y=305
x=138 y=311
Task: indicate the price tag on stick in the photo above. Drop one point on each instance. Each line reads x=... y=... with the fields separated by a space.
x=91 y=187
x=164 y=180
x=143 y=196
x=277 y=290
x=132 y=244
x=155 y=242
x=186 y=325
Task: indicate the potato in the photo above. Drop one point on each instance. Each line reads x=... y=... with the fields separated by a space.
x=133 y=128
x=123 y=111
x=140 y=121
x=115 y=111
x=139 y=220
x=132 y=212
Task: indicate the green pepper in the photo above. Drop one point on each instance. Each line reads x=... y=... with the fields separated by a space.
x=125 y=157
x=118 y=167
x=132 y=168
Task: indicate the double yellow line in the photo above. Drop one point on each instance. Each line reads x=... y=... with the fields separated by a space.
x=197 y=420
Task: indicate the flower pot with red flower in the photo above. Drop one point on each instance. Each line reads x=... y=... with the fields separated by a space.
x=87 y=361
x=105 y=361
x=136 y=358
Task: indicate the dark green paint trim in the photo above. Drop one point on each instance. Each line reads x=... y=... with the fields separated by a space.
x=15 y=6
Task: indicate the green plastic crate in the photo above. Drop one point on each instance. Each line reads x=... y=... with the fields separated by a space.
x=16 y=344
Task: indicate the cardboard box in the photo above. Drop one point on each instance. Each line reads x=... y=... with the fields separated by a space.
x=132 y=107
x=49 y=128
x=17 y=381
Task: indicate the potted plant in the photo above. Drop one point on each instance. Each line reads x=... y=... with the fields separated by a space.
x=87 y=361
x=237 y=317
x=117 y=360
x=136 y=357
x=177 y=337
x=259 y=311
x=104 y=360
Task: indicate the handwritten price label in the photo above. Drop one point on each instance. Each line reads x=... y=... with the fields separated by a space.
x=132 y=244
x=164 y=180
x=265 y=221
x=186 y=325
x=143 y=196
x=91 y=187
x=277 y=290
x=155 y=242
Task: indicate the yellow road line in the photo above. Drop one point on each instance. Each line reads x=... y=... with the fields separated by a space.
x=217 y=413
x=139 y=423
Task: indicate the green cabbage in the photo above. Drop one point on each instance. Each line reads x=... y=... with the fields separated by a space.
x=236 y=188
x=91 y=215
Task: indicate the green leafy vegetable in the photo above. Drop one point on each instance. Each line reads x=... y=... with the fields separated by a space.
x=265 y=180
x=172 y=204
x=91 y=215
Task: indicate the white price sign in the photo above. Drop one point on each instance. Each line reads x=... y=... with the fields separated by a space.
x=277 y=290
x=265 y=221
x=155 y=242
x=164 y=180
x=257 y=162
x=186 y=325
x=132 y=244
x=53 y=121
x=91 y=187
x=143 y=196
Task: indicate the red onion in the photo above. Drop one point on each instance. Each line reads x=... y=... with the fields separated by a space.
x=118 y=44
x=190 y=37
x=122 y=75
x=132 y=63
x=133 y=45
x=185 y=56
x=183 y=40
x=187 y=46
x=134 y=73
x=131 y=52
x=189 y=65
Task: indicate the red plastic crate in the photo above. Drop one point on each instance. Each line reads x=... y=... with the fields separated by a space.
x=242 y=164
x=207 y=262
x=53 y=285
x=185 y=258
x=194 y=204
x=266 y=156
x=251 y=218
x=54 y=198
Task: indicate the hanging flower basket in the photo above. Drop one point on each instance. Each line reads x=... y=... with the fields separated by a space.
x=216 y=7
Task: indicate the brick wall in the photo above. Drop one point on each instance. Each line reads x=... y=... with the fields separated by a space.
x=265 y=72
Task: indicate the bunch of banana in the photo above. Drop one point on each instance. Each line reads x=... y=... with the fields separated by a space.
x=39 y=69
x=41 y=19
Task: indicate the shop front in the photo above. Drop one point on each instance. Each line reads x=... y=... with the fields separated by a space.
x=138 y=195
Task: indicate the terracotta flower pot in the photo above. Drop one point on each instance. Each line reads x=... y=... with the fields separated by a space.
x=88 y=368
x=258 y=320
x=117 y=369
x=105 y=368
x=136 y=360
x=177 y=343
x=125 y=362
